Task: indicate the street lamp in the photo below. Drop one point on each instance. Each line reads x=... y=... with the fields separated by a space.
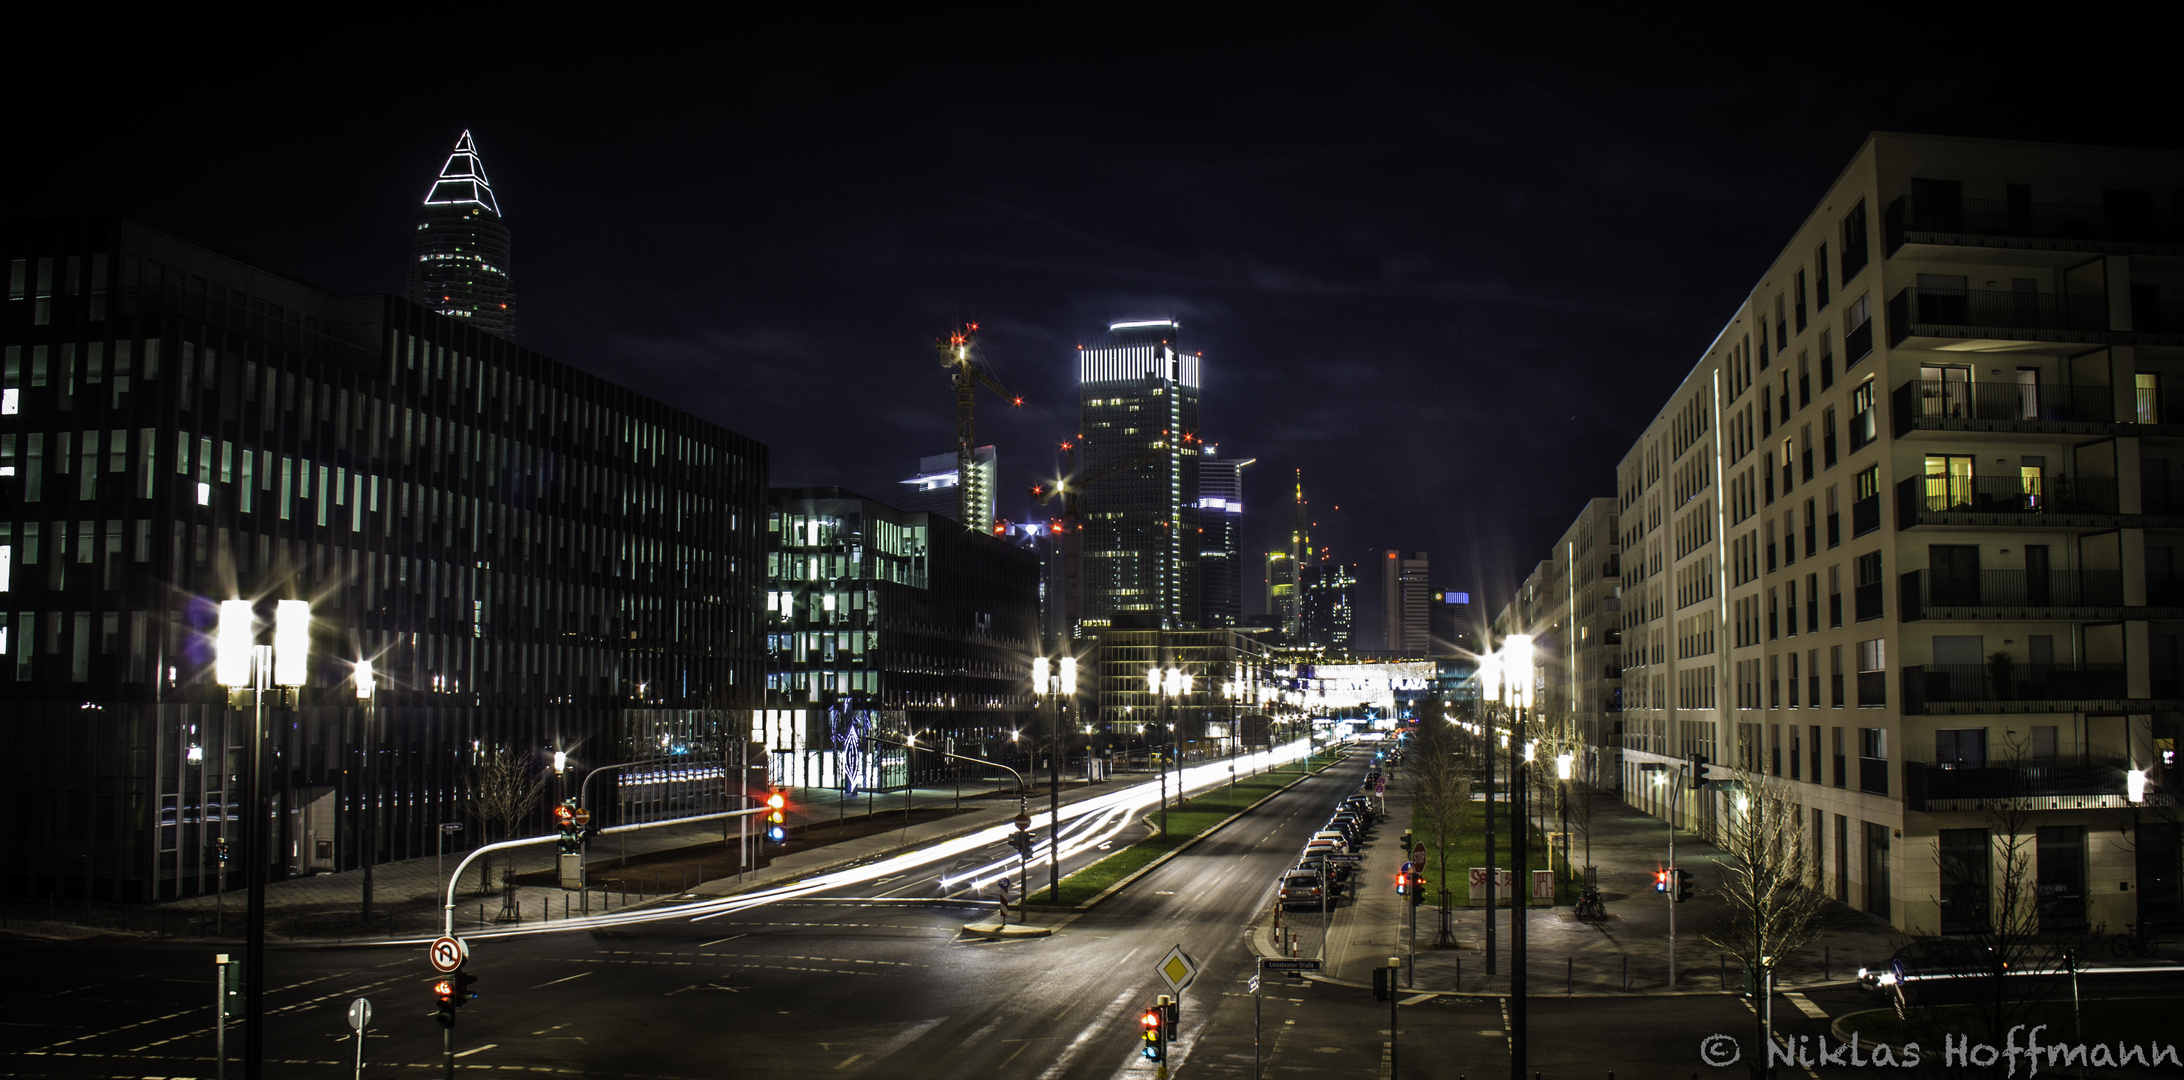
x=366 y=686
x=248 y=670
x=1041 y=688
x=1516 y=680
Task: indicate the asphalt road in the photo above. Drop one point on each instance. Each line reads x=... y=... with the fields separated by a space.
x=875 y=982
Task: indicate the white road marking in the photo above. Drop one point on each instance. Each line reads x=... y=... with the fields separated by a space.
x=1805 y=1005
x=544 y=985
x=847 y=1061
x=1418 y=999
x=717 y=941
x=475 y=1049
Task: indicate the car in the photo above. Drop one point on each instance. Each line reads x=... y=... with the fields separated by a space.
x=1317 y=848
x=1930 y=959
x=1349 y=820
x=1302 y=888
x=1348 y=842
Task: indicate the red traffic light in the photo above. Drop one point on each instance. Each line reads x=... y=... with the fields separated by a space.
x=444 y=990
x=1660 y=881
x=776 y=801
x=1151 y=1019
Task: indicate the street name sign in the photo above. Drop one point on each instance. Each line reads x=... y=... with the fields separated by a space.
x=1289 y=965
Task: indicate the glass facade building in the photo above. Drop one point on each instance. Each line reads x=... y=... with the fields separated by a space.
x=459 y=267
x=882 y=624
x=532 y=558
x=1138 y=416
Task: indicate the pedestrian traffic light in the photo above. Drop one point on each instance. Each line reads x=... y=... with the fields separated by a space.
x=1683 y=885
x=1152 y=1044
x=777 y=829
x=221 y=850
x=1660 y=881
x=1168 y=1011
x=1021 y=841
x=1417 y=888
x=1698 y=771
x=1403 y=880
x=443 y=995
x=463 y=992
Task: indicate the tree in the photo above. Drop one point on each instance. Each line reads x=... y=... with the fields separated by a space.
x=1771 y=912
x=1438 y=779
x=505 y=788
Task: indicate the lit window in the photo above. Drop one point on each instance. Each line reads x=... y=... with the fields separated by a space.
x=204 y=494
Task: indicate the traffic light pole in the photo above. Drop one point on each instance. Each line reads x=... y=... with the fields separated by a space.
x=1675 y=792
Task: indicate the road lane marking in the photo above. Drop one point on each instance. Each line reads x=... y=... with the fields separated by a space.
x=731 y=937
x=846 y=1062
x=1805 y=1005
x=544 y=985
x=475 y=1049
x=1418 y=999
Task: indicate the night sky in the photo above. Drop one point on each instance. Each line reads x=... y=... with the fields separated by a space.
x=1450 y=265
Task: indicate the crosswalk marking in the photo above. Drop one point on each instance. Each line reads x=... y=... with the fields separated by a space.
x=1805 y=1005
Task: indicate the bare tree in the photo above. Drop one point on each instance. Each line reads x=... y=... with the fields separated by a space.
x=1439 y=782
x=505 y=789
x=1771 y=911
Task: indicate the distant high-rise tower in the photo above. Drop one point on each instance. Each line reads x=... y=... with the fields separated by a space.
x=933 y=489
x=1326 y=605
x=460 y=266
x=1285 y=569
x=1138 y=403
x=1406 y=604
x=1220 y=524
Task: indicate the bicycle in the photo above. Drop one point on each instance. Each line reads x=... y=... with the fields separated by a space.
x=2137 y=941
x=1590 y=908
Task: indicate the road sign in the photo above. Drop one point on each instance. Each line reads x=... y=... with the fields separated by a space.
x=451 y=826
x=360 y=1014
x=1346 y=859
x=1418 y=853
x=1254 y=984
x=581 y=816
x=1177 y=969
x=1022 y=820
x=448 y=954
x=1285 y=964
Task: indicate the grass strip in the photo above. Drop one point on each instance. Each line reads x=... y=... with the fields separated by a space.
x=1205 y=810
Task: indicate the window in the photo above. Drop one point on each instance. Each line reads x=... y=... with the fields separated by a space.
x=1864 y=427
x=1784 y=416
x=1799 y=305
x=1827 y=437
x=1820 y=279
x=2146 y=397
x=1804 y=464
x=1866 y=586
x=1827 y=361
x=1812 y=623
x=1872 y=673
x=1854 y=243
x=1804 y=380
x=1857 y=330
x=1781 y=325
x=1812 y=529
x=1835 y=672
x=1789 y=461
x=1835 y=524
x=1793 y=662
x=1865 y=506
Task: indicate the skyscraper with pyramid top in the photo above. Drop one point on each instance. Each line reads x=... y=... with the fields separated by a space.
x=460 y=265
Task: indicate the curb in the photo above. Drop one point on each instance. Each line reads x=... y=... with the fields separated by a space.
x=999 y=932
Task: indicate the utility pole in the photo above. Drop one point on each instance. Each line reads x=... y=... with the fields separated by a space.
x=1486 y=713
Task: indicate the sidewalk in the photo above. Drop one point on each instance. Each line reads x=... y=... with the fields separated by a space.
x=1628 y=953
x=407 y=896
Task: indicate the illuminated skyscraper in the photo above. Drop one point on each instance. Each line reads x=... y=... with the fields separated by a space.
x=933 y=489
x=1138 y=411
x=1405 y=602
x=460 y=266
x=1220 y=522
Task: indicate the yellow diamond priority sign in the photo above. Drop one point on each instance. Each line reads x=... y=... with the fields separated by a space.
x=1177 y=969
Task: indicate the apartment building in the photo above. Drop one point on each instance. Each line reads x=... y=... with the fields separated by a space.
x=1571 y=604
x=1905 y=537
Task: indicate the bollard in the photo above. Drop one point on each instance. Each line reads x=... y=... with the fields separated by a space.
x=685 y=880
x=481 y=914
x=1459 y=973
x=1722 y=974
x=1826 y=966
x=1569 y=976
x=1626 y=973
x=545 y=914
x=564 y=905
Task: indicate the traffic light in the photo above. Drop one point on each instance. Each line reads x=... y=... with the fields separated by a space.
x=1403 y=880
x=463 y=992
x=1683 y=885
x=220 y=850
x=1698 y=771
x=1383 y=983
x=1660 y=881
x=1168 y=1011
x=1153 y=1044
x=571 y=833
x=443 y=995
x=1417 y=888
x=1021 y=841
x=777 y=829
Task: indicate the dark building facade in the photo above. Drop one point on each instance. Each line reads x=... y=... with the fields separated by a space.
x=1221 y=525
x=1328 y=605
x=459 y=265
x=532 y=558
x=1138 y=416
x=891 y=623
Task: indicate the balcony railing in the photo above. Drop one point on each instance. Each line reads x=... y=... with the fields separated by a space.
x=1941 y=787
x=1872 y=692
x=1960 y=688
x=2002 y=594
x=2161 y=497
x=1937 y=405
x=1873 y=775
x=1928 y=498
x=2061 y=225
x=1962 y=313
x=1865 y=515
x=2164 y=588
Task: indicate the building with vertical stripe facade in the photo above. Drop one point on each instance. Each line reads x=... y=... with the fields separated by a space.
x=1138 y=415
x=532 y=558
x=1904 y=539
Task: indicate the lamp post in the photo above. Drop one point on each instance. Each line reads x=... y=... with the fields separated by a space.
x=366 y=684
x=1490 y=692
x=1041 y=688
x=248 y=670
x=1565 y=766
x=1517 y=680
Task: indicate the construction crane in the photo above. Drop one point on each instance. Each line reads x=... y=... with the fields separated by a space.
x=1073 y=525
x=968 y=374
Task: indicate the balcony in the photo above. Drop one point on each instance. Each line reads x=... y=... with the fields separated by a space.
x=1961 y=689
x=2007 y=500
x=2013 y=594
x=2032 y=785
x=2028 y=226
x=1873 y=775
x=1937 y=318
x=1934 y=405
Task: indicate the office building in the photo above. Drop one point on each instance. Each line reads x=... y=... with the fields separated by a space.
x=883 y=625
x=1571 y=604
x=459 y=257
x=1220 y=524
x=938 y=489
x=1406 y=604
x=1138 y=417
x=1327 y=606
x=1285 y=570
x=1904 y=540
x=1126 y=714
x=532 y=558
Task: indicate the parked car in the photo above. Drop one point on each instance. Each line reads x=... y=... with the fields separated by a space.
x=1302 y=888
x=1349 y=843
